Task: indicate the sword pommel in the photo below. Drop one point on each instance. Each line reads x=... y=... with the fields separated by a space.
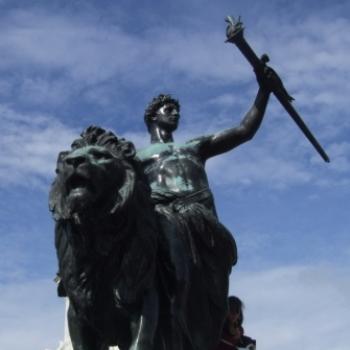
x=234 y=29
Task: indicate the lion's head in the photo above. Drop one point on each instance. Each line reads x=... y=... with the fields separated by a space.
x=96 y=175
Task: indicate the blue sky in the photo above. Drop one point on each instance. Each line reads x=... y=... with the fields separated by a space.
x=67 y=64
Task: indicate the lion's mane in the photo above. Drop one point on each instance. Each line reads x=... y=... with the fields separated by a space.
x=96 y=252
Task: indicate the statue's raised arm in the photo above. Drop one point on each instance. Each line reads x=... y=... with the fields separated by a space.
x=228 y=139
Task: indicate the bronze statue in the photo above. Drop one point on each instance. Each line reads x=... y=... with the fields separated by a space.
x=142 y=255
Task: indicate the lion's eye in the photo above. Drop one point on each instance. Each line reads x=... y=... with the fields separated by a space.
x=101 y=155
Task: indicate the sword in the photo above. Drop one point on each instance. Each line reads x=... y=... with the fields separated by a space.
x=234 y=33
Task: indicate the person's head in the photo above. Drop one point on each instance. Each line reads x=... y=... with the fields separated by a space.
x=236 y=307
x=163 y=111
x=234 y=319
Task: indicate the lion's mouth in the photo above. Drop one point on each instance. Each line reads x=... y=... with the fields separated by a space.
x=78 y=182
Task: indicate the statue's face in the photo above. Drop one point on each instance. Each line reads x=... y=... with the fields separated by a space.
x=90 y=173
x=167 y=117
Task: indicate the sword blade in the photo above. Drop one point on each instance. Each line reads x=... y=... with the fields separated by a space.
x=235 y=35
x=296 y=117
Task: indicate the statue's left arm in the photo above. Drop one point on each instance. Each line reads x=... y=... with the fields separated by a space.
x=228 y=139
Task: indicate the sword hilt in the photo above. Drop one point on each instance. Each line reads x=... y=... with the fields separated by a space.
x=234 y=34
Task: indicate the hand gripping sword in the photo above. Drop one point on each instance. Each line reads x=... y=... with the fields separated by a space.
x=234 y=33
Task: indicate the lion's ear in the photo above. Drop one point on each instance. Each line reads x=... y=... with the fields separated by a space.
x=127 y=149
x=55 y=199
x=60 y=160
x=55 y=196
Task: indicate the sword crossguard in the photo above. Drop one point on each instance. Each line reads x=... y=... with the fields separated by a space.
x=265 y=58
x=268 y=77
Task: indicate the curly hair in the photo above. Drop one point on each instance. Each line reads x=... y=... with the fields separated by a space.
x=155 y=104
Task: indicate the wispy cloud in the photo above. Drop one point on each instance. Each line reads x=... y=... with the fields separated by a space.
x=101 y=52
x=80 y=52
x=298 y=307
x=87 y=51
x=54 y=42
x=31 y=315
x=29 y=147
x=291 y=307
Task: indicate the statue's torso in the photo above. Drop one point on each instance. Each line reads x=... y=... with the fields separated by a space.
x=172 y=167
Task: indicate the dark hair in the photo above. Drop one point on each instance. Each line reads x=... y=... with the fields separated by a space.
x=155 y=104
x=235 y=305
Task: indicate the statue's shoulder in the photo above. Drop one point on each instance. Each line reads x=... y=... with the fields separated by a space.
x=157 y=149
x=198 y=141
x=152 y=150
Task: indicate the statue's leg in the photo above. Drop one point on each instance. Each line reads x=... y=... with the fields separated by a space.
x=144 y=326
x=178 y=256
x=82 y=336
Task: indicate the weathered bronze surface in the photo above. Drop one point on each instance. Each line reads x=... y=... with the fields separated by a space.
x=106 y=241
x=142 y=256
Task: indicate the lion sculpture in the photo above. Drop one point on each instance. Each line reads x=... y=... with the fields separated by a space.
x=113 y=262
x=106 y=244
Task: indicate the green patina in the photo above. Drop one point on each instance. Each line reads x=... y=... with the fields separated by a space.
x=157 y=148
x=178 y=182
x=154 y=148
x=96 y=154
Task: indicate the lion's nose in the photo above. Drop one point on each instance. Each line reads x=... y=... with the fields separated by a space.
x=75 y=161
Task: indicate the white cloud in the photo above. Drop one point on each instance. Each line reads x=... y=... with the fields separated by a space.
x=200 y=55
x=52 y=41
x=31 y=315
x=312 y=57
x=289 y=307
x=90 y=51
x=340 y=152
x=228 y=100
x=296 y=307
x=39 y=90
x=29 y=146
x=259 y=167
x=277 y=166
x=273 y=160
